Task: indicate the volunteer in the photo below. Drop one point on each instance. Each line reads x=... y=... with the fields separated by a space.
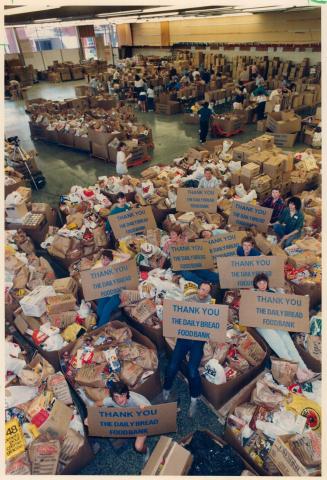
x=120 y=396
x=244 y=75
x=138 y=85
x=195 y=350
x=290 y=223
x=205 y=114
x=94 y=84
x=259 y=80
x=150 y=98
x=275 y=202
x=212 y=233
x=14 y=89
x=142 y=100
x=119 y=207
x=208 y=181
x=174 y=238
x=280 y=340
x=260 y=95
x=122 y=159
x=247 y=248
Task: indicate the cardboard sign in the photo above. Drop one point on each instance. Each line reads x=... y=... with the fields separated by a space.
x=130 y=422
x=197 y=200
x=195 y=321
x=108 y=281
x=15 y=441
x=132 y=222
x=246 y=216
x=239 y=272
x=278 y=311
x=191 y=256
x=225 y=244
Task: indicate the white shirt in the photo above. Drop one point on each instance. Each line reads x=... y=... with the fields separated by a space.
x=139 y=83
x=212 y=183
x=195 y=73
x=121 y=163
x=150 y=93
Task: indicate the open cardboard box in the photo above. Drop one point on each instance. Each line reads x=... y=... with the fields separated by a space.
x=154 y=334
x=151 y=387
x=168 y=458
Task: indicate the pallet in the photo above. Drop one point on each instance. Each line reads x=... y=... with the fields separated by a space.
x=218 y=131
x=139 y=161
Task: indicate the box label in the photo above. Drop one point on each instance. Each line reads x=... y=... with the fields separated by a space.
x=130 y=422
x=191 y=256
x=197 y=200
x=239 y=272
x=278 y=311
x=15 y=442
x=246 y=216
x=108 y=281
x=195 y=321
x=132 y=222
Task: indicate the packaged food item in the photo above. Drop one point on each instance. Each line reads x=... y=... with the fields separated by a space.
x=307 y=447
x=237 y=361
x=15 y=441
x=250 y=349
x=58 y=385
x=283 y=371
x=310 y=409
x=112 y=359
x=214 y=372
x=19 y=466
x=44 y=457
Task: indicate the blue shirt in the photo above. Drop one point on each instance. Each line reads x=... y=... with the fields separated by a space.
x=253 y=252
x=115 y=210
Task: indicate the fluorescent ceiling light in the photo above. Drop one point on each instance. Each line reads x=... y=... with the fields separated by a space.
x=47 y=20
x=243 y=14
x=153 y=15
x=108 y=14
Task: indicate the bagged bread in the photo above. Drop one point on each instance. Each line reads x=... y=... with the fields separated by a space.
x=119 y=334
x=250 y=349
x=147 y=358
x=283 y=371
x=73 y=441
x=96 y=394
x=91 y=375
x=130 y=373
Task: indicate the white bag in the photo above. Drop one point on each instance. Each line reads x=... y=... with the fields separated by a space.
x=214 y=372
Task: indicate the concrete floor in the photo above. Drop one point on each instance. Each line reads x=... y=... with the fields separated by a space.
x=64 y=167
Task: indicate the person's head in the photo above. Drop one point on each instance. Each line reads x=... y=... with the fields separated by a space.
x=261 y=282
x=294 y=204
x=121 y=147
x=121 y=198
x=119 y=392
x=106 y=257
x=206 y=234
x=137 y=77
x=204 y=290
x=247 y=244
x=275 y=193
x=174 y=234
x=208 y=173
x=206 y=104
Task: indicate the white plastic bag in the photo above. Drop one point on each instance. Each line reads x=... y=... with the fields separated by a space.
x=214 y=372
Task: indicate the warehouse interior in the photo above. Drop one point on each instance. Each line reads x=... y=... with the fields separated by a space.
x=60 y=66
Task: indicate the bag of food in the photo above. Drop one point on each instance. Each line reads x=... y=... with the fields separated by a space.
x=119 y=334
x=72 y=443
x=245 y=411
x=207 y=353
x=250 y=349
x=220 y=352
x=130 y=373
x=91 y=375
x=100 y=237
x=144 y=310
x=61 y=244
x=262 y=394
x=307 y=448
x=44 y=457
x=96 y=394
x=147 y=358
x=129 y=297
x=21 y=278
x=283 y=371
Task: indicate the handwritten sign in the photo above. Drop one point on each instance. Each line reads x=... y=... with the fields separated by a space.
x=239 y=272
x=108 y=281
x=195 y=321
x=225 y=244
x=130 y=422
x=132 y=222
x=278 y=311
x=197 y=200
x=246 y=216
x=191 y=256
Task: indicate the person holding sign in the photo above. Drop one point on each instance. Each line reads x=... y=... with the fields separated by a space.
x=275 y=202
x=290 y=223
x=174 y=238
x=209 y=181
x=195 y=350
x=122 y=159
x=120 y=396
x=119 y=207
x=247 y=249
x=280 y=341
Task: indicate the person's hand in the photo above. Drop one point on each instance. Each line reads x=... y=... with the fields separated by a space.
x=143 y=407
x=98 y=403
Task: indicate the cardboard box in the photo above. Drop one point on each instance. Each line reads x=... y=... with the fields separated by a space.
x=46 y=209
x=250 y=170
x=259 y=158
x=17 y=212
x=261 y=125
x=66 y=139
x=264 y=142
x=52 y=136
x=101 y=138
x=60 y=303
x=261 y=183
x=82 y=143
x=65 y=285
x=283 y=122
x=14 y=186
x=168 y=458
x=100 y=151
x=273 y=167
x=285 y=140
x=33 y=304
x=285 y=460
x=236 y=178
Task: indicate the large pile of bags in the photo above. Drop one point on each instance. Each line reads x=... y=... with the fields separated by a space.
x=44 y=429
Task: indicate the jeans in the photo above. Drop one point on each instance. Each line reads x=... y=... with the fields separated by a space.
x=105 y=307
x=280 y=341
x=204 y=127
x=198 y=276
x=261 y=110
x=195 y=349
x=150 y=102
x=280 y=232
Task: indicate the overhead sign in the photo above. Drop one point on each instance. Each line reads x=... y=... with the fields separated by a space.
x=197 y=200
x=195 y=321
x=131 y=422
x=245 y=215
x=191 y=256
x=239 y=272
x=278 y=311
x=108 y=281
x=132 y=222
